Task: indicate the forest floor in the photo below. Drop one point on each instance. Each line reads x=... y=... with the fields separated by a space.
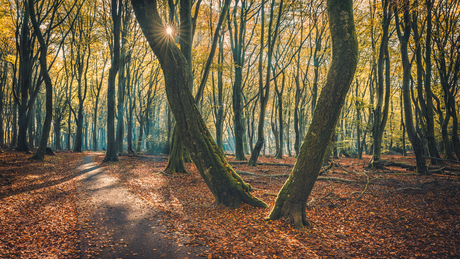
x=378 y=213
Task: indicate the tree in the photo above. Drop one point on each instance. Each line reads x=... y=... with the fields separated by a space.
x=25 y=93
x=415 y=140
x=111 y=154
x=80 y=49
x=447 y=58
x=264 y=89
x=96 y=92
x=227 y=187
x=292 y=198
x=238 y=40
x=381 y=110
x=40 y=154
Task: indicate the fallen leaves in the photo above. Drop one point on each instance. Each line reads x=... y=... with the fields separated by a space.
x=400 y=215
x=37 y=206
x=382 y=223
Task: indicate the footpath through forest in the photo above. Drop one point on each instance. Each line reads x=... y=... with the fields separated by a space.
x=74 y=206
x=117 y=224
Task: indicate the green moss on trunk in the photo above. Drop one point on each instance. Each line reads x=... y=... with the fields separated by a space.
x=292 y=198
x=176 y=156
x=226 y=186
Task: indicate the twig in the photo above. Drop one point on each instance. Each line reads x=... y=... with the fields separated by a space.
x=425 y=202
x=310 y=202
x=341 y=166
x=452 y=231
x=365 y=188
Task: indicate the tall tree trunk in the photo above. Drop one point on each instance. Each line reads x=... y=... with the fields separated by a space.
x=220 y=104
x=130 y=121
x=57 y=129
x=416 y=142
x=3 y=80
x=403 y=126
x=381 y=110
x=279 y=154
x=227 y=187
x=25 y=71
x=111 y=154
x=292 y=198
x=358 y=104
x=429 y=94
x=237 y=42
x=40 y=153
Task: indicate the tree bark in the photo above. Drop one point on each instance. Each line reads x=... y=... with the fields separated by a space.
x=292 y=198
x=111 y=154
x=416 y=142
x=381 y=110
x=227 y=187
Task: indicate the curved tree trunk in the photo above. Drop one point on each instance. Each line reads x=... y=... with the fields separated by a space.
x=227 y=187
x=416 y=142
x=40 y=153
x=292 y=198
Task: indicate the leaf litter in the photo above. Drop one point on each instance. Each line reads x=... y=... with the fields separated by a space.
x=382 y=213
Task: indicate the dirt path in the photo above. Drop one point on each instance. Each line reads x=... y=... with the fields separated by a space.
x=117 y=224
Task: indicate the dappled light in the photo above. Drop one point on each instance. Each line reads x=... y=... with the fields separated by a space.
x=229 y=129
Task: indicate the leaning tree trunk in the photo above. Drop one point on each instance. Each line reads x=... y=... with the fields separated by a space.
x=292 y=198
x=227 y=187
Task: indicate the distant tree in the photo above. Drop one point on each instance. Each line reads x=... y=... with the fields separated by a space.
x=237 y=22
x=264 y=88
x=292 y=198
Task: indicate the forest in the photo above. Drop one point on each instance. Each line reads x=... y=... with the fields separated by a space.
x=362 y=95
x=266 y=73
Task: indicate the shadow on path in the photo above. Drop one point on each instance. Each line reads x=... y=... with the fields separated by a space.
x=117 y=224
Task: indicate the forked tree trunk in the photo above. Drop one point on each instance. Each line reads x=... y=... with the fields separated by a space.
x=40 y=153
x=292 y=198
x=415 y=140
x=381 y=110
x=227 y=187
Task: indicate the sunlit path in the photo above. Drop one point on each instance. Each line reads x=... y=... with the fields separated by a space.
x=117 y=224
